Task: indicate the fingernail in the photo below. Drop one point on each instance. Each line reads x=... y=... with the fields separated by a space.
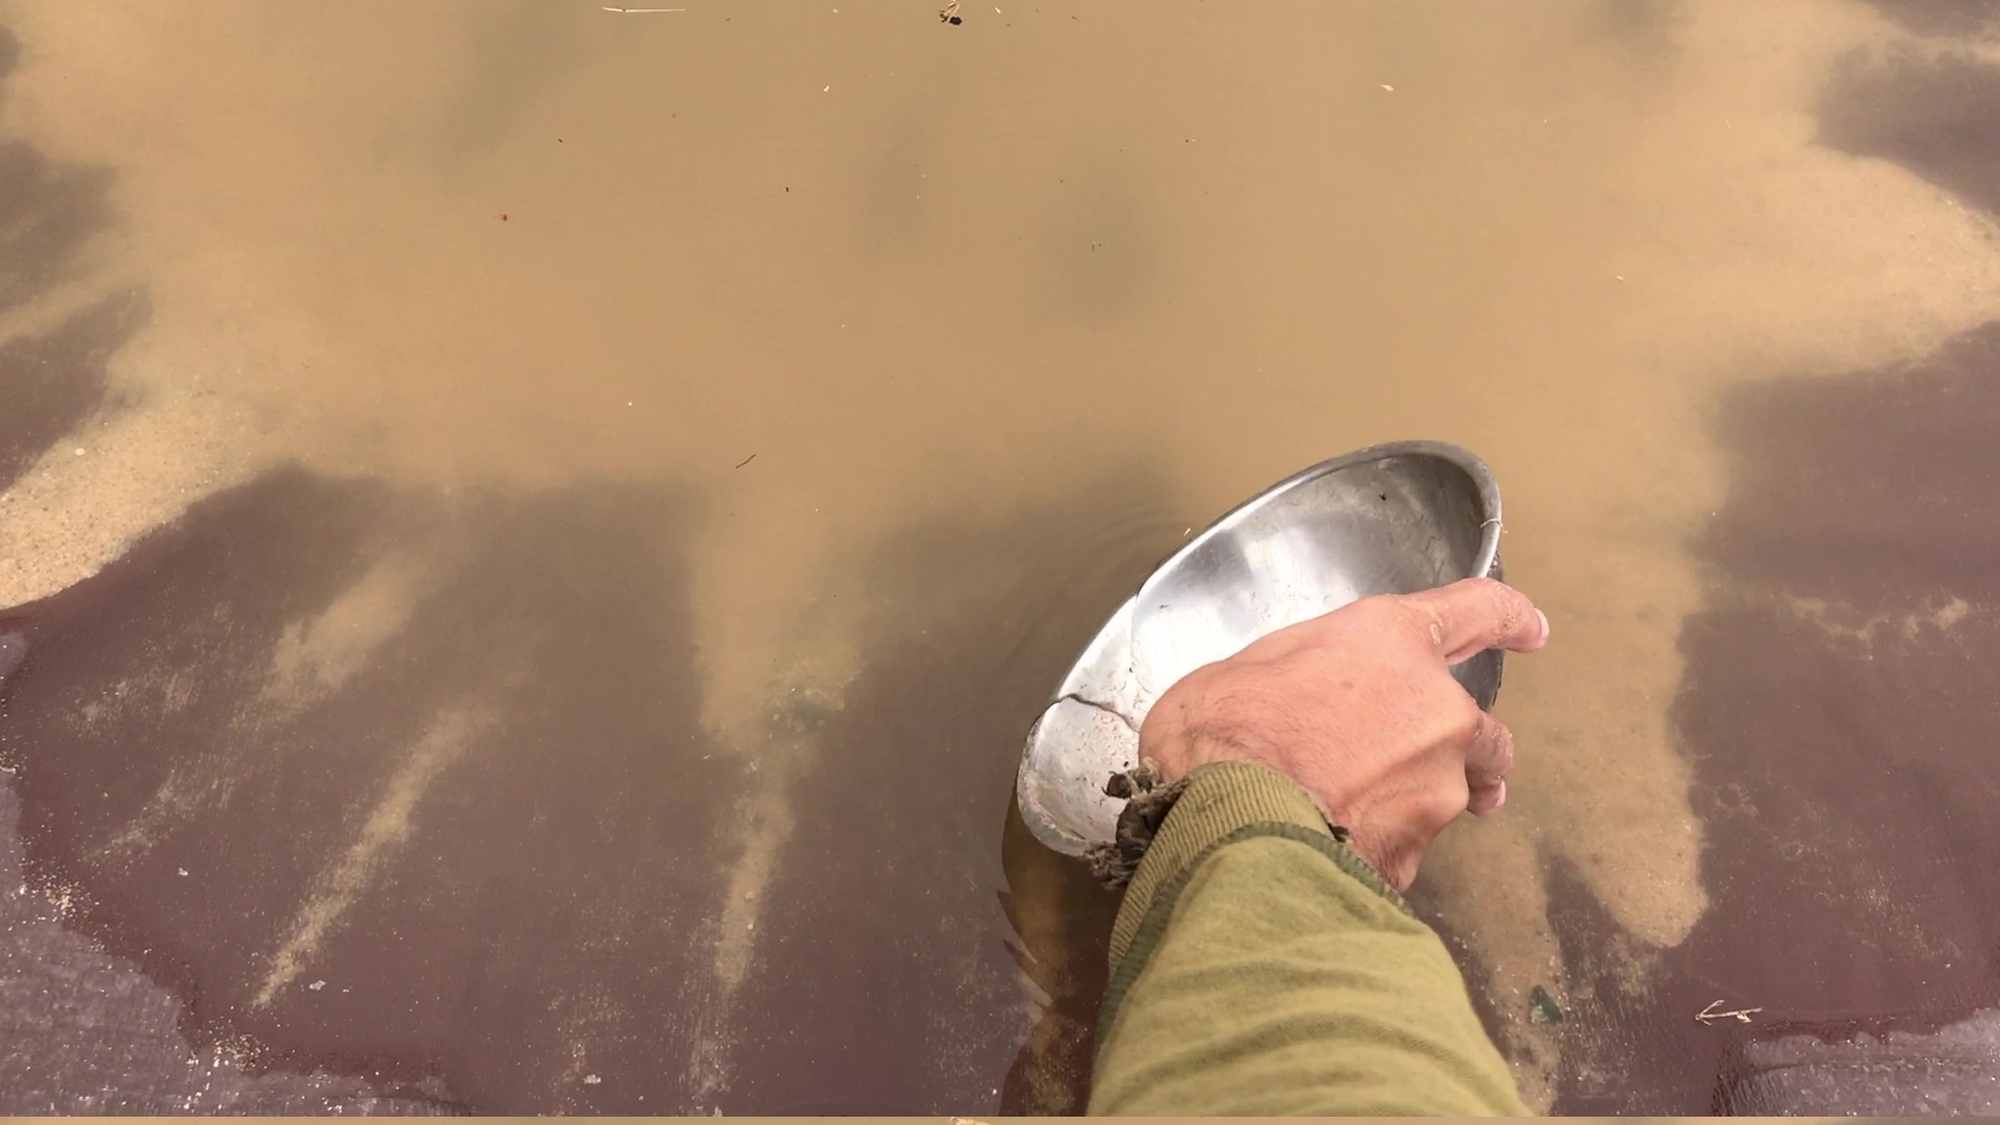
x=1500 y=802
x=1545 y=625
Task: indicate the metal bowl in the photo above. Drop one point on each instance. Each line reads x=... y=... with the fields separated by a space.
x=1389 y=519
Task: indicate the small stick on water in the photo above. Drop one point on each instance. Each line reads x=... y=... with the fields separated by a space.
x=746 y=460
x=1713 y=1012
x=640 y=11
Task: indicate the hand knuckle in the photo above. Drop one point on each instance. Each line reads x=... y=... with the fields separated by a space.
x=1420 y=618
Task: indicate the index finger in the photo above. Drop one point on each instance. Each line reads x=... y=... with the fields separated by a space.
x=1467 y=618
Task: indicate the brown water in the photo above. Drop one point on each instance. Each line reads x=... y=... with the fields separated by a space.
x=611 y=489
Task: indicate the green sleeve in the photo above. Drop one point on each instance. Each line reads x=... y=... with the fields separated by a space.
x=1260 y=967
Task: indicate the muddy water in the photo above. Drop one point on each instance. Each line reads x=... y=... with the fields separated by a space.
x=556 y=520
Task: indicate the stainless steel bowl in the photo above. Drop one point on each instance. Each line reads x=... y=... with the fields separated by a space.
x=1390 y=519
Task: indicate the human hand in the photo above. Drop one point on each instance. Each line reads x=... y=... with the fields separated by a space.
x=1358 y=707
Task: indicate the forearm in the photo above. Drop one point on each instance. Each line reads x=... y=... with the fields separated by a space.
x=1259 y=967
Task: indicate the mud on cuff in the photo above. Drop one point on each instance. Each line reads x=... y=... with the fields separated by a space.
x=1222 y=799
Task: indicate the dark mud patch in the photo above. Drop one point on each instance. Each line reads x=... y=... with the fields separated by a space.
x=81 y=1031
x=1933 y=112
x=50 y=382
x=512 y=907
x=1649 y=30
x=1615 y=1010
x=1872 y=488
x=539 y=931
x=1945 y=18
x=55 y=381
x=910 y=903
x=48 y=210
x=1839 y=711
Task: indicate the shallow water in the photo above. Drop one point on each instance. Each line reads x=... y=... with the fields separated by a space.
x=557 y=520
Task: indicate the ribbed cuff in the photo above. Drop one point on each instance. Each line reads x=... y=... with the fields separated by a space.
x=1220 y=798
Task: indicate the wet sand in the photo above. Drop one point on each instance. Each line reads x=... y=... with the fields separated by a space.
x=537 y=532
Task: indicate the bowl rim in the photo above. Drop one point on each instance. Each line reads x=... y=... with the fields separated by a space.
x=1465 y=460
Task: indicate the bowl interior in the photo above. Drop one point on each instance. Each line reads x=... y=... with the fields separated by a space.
x=1389 y=526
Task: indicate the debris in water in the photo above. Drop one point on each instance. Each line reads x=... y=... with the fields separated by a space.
x=746 y=460
x=316 y=986
x=1542 y=1006
x=1711 y=1013
x=592 y=1080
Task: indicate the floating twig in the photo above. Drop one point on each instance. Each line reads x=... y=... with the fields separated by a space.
x=1711 y=1013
